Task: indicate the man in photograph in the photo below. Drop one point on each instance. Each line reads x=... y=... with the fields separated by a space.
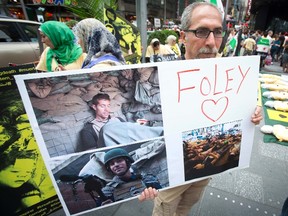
x=105 y=130
x=89 y=135
x=125 y=183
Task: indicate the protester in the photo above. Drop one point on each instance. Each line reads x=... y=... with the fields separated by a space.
x=282 y=40
x=231 y=43
x=173 y=46
x=101 y=46
x=202 y=24
x=285 y=59
x=257 y=35
x=249 y=46
x=61 y=52
x=270 y=36
x=263 y=48
x=275 y=48
x=181 y=43
x=155 y=48
x=239 y=37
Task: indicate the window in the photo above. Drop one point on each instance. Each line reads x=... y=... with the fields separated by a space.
x=9 y=33
x=31 y=31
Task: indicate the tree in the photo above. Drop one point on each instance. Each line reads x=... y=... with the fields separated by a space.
x=161 y=35
x=92 y=8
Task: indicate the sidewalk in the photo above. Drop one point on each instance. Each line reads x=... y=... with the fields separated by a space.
x=275 y=68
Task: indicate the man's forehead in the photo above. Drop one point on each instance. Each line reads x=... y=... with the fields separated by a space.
x=116 y=159
x=103 y=100
x=206 y=16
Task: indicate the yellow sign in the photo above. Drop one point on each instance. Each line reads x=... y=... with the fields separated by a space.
x=126 y=34
x=277 y=115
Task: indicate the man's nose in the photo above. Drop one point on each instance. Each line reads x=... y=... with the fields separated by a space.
x=115 y=163
x=210 y=40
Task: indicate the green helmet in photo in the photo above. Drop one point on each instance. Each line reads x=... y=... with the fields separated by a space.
x=115 y=153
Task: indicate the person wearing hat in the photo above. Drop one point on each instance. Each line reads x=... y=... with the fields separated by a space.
x=156 y=48
x=125 y=183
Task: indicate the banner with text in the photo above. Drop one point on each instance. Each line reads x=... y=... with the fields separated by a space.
x=172 y=122
x=25 y=185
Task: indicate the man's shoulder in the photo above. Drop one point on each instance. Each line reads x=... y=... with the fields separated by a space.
x=89 y=122
x=88 y=125
x=117 y=118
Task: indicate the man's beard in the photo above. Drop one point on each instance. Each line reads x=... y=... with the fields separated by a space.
x=206 y=50
x=122 y=173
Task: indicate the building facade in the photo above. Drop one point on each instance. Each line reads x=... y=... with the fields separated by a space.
x=38 y=10
x=43 y=10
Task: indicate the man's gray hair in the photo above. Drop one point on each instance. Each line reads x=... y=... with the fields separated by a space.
x=186 y=21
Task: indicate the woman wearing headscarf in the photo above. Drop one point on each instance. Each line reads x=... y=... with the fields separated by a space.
x=101 y=46
x=61 y=53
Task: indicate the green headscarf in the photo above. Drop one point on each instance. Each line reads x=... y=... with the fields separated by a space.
x=63 y=39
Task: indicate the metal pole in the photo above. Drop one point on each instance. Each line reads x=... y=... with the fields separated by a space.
x=24 y=9
x=141 y=14
x=164 y=10
x=226 y=8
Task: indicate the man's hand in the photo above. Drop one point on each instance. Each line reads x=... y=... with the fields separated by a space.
x=257 y=115
x=147 y=194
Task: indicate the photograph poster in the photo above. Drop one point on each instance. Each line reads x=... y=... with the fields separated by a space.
x=172 y=123
x=25 y=186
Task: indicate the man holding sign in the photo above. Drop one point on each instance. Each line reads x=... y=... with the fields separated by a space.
x=203 y=34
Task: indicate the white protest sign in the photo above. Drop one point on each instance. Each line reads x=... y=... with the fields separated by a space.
x=203 y=93
x=157 y=23
x=196 y=116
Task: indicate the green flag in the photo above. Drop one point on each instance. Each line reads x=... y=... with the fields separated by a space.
x=219 y=4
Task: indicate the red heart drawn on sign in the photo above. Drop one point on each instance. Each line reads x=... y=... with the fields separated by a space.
x=216 y=109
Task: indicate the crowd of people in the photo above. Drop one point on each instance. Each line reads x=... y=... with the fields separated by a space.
x=89 y=44
x=240 y=41
x=272 y=47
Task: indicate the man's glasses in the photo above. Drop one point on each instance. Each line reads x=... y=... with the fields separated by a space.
x=204 y=33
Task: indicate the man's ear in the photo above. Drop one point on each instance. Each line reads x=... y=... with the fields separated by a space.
x=93 y=106
x=183 y=35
